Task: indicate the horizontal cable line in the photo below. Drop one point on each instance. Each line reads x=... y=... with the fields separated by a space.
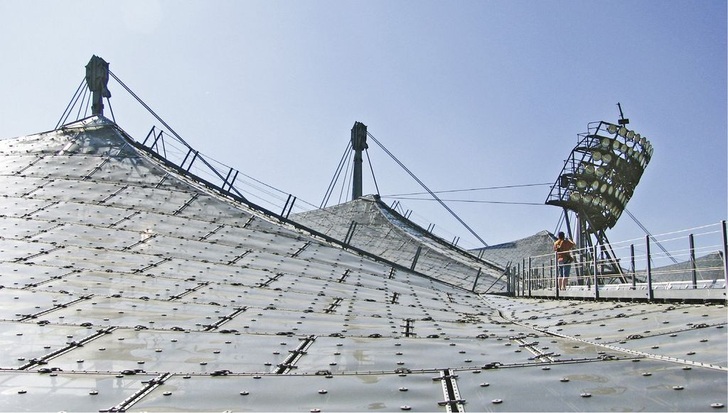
x=470 y=189
x=466 y=200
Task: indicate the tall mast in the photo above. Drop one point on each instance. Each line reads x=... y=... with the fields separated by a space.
x=97 y=78
x=358 y=144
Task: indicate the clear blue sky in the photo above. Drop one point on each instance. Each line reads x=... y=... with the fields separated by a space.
x=467 y=94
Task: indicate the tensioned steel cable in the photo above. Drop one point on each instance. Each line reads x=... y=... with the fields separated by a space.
x=470 y=189
x=337 y=174
x=71 y=104
x=650 y=235
x=422 y=184
x=475 y=201
x=347 y=175
x=372 y=169
x=179 y=138
x=138 y=99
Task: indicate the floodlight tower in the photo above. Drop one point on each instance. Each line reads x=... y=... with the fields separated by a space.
x=597 y=181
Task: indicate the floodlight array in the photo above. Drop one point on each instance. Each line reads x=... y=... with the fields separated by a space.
x=601 y=174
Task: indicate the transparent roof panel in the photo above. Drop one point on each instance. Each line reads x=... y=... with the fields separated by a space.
x=24 y=342
x=17 y=304
x=136 y=313
x=302 y=393
x=181 y=353
x=86 y=236
x=20 y=274
x=88 y=214
x=594 y=386
x=77 y=191
x=72 y=392
x=65 y=167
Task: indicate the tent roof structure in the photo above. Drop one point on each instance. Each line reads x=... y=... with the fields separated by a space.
x=126 y=285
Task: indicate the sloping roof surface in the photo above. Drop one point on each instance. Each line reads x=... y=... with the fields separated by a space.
x=369 y=224
x=126 y=286
x=511 y=254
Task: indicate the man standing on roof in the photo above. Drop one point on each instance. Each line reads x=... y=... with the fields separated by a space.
x=563 y=247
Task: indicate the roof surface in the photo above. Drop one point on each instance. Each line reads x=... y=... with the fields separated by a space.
x=367 y=223
x=129 y=286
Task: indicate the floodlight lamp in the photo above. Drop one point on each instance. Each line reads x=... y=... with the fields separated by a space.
x=603 y=188
x=606 y=143
x=607 y=158
x=622 y=131
x=597 y=156
x=599 y=172
x=630 y=134
x=595 y=185
x=611 y=128
x=581 y=184
x=575 y=196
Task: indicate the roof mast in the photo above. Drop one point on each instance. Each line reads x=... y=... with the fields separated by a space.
x=358 y=144
x=97 y=78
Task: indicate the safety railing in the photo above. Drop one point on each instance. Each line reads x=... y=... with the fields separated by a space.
x=176 y=152
x=682 y=265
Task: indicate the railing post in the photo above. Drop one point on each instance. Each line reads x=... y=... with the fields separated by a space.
x=508 y=281
x=551 y=274
x=650 y=293
x=634 y=272
x=692 y=261
x=417 y=256
x=725 y=254
x=596 y=272
x=530 y=276
x=556 y=276
x=480 y=269
x=523 y=278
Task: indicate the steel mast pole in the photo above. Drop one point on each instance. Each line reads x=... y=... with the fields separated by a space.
x=358 y=144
